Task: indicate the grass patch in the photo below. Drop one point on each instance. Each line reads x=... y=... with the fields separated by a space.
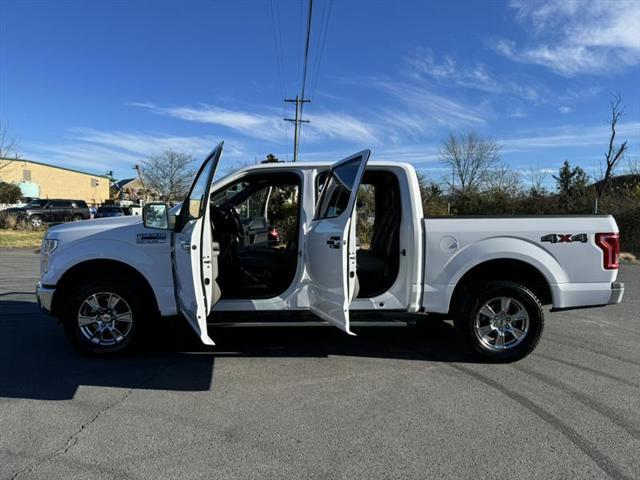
x=20 y=238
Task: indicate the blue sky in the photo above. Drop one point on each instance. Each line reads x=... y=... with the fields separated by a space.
x=101 y=85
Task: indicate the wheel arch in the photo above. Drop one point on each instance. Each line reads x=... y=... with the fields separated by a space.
x=105 y=268
x=502 y=269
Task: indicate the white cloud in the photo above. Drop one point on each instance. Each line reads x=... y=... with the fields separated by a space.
x=448 y=72
x=423 y=109
x=260 y=126
x=269 y=125
x=564 y=109
x=577 y=36
x=101 y=151
x=341 y=126
x=585 y=136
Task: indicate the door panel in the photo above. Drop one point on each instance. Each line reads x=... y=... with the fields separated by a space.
x=195 y=255
x=330 y=248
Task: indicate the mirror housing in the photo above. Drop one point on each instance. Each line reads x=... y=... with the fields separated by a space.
x=156 y=215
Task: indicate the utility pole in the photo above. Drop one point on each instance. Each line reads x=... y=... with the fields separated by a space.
x=296 y=122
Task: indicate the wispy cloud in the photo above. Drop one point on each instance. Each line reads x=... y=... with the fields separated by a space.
x=341 y=126
x=581 y=136
x=267 y=124
x=577 y=36
x=260 y=126
x=421 y=106
x=101 y=151
x=424 y=65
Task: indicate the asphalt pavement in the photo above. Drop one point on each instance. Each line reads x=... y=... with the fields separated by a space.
x=315 y=403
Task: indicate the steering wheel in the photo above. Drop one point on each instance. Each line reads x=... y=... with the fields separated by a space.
x=228 y=225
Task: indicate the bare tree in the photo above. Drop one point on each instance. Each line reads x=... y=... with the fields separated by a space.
x=168 y=174
x=615 y=153
x=537 y=178
x=502 y=179
x=469 y=157
x=8 y=147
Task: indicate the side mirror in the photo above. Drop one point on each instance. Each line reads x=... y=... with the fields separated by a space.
x=156 y=215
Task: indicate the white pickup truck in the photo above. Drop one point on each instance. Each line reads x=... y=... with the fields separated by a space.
x=326 y=239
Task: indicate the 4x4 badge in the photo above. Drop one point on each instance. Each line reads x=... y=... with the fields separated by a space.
x=564 y=238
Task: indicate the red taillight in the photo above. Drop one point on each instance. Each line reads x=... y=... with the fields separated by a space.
x=610 y=245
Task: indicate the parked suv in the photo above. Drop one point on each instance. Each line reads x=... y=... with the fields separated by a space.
x=55 y=210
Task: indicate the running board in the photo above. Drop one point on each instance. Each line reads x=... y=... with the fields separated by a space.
x=392 y=323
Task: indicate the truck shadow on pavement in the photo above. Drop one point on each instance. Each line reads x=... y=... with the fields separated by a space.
x=38 y=362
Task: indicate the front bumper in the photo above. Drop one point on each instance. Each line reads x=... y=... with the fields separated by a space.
x=45 y=297
x=617 y=292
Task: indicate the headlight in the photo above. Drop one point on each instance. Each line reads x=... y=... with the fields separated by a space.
x=46 y=249
x=48 y=246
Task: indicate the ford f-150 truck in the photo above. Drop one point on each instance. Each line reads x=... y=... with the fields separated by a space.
x=352 y=238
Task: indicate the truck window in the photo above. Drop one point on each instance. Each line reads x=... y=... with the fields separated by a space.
x=335 y=195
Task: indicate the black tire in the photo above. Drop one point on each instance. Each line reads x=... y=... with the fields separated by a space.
x=75 y=300
x=469 y=322
x=76 y=218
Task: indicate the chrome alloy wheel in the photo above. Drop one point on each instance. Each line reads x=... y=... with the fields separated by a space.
x=105 y=318
x=501 y=323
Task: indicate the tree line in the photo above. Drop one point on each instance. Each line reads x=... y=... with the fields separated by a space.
x=480 y=184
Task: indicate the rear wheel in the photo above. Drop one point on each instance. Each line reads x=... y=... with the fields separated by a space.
x=502 y=322
x=103 y=317
x=76 y=218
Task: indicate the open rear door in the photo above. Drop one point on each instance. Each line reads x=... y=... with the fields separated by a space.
x=195 y=256
x=330 y=247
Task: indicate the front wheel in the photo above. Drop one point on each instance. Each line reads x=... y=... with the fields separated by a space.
x=502 y=322
x=76 y=218
x=103 y=317
x=36 y=221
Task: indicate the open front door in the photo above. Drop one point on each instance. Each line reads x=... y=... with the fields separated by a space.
x=330 y=247
x=195 y=256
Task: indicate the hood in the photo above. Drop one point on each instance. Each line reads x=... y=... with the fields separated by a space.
x=15 y=209
x=111 y=227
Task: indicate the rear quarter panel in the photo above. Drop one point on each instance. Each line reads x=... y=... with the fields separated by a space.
x=573 y=269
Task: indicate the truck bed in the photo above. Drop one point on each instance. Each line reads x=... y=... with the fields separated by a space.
x=561 y=247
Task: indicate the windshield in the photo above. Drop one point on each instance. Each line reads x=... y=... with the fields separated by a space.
x=36 y=203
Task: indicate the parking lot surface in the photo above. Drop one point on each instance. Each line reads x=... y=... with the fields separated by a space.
x=315 y=403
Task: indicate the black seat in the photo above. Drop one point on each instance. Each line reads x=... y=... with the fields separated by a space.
x=378 y=266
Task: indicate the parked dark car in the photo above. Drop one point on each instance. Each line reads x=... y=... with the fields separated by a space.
x=109 y=211
x=54 y=210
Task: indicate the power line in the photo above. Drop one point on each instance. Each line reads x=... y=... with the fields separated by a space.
x=278 y=46
x=306 y=49
x=300 y=100
x=321 y=44
x=277 y=40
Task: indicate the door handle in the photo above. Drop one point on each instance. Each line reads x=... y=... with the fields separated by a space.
x=334 y=242
x=184 y=245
